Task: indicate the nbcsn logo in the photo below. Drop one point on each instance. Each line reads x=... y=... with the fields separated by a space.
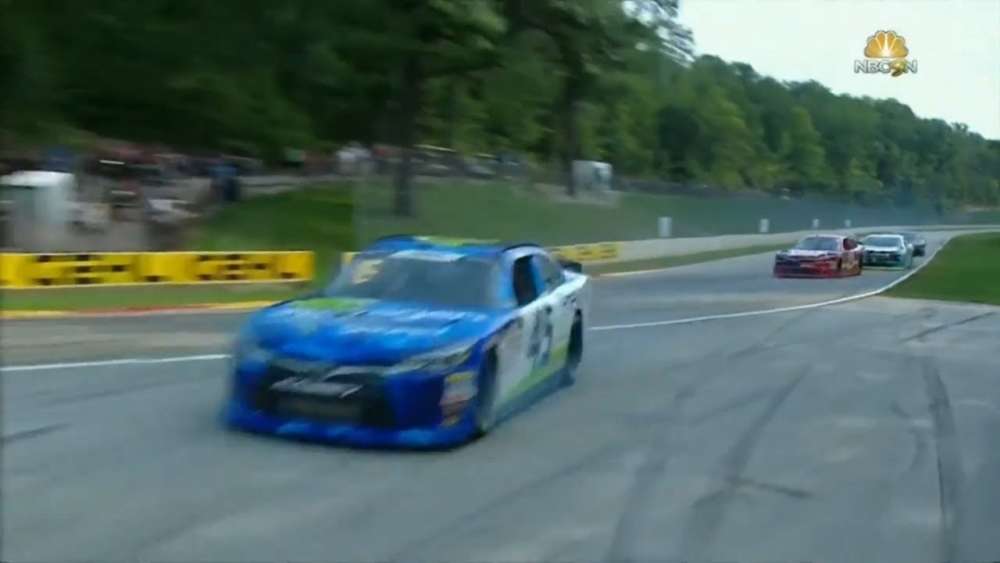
x=885 y=53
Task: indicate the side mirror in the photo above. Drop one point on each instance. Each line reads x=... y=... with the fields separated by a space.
x=571 y=266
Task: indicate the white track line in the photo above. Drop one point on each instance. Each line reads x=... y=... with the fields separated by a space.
x=760 y=312
x=119 y=362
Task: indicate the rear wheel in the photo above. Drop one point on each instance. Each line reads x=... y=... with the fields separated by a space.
x=575 y=352
x=486 y=415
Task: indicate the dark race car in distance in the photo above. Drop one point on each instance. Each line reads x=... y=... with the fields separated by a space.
x=820 y=256
x=888 y=250
x=917 y=241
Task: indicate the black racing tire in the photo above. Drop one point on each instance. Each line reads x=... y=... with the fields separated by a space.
x=574 y=353
x=486 y=407
x=840 y=267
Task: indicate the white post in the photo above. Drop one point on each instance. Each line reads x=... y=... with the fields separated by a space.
x=765 y=226
x=815 y=223
x=847 y=223
x=665 y=225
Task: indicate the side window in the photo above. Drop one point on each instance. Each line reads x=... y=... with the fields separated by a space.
x=525 y=290
x=552 y=275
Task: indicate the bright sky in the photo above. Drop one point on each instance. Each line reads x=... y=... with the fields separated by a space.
x=956 y=44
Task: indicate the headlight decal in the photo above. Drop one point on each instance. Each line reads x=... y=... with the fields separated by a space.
x=439 y=361
x=458 y=390
x=249 y=349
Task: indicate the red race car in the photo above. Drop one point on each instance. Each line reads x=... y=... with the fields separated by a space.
x=820 y=256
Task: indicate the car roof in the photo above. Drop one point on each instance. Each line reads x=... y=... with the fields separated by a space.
x=464 y=246
x=824 y=235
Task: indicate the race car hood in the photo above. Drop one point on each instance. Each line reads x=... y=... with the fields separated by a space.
x=798 y=253
x=883 y=248
x=364 y=331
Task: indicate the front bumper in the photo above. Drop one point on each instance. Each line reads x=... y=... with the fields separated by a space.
x=812 y=269
x=405 y=412
x=239 y=415
x=886 y=260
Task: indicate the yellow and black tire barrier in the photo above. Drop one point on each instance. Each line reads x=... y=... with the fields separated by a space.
x=31 y=271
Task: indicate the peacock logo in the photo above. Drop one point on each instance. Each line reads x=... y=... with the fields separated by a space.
x=885 y=53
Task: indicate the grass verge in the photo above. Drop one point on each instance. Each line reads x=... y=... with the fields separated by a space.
x=967 y=269
x=512 y=211
x=112 y=298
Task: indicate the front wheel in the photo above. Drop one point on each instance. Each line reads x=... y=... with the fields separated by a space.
x=574 y=354
x=486 y=400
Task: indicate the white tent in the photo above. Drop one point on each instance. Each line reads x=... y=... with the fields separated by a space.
x=41 y=203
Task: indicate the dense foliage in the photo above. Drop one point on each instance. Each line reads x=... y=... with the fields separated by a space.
x=553 y=79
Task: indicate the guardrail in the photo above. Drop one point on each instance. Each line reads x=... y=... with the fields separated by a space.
x=32 y=271
x=637 y=250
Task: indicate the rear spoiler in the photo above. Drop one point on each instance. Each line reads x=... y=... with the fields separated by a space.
x=571 y=265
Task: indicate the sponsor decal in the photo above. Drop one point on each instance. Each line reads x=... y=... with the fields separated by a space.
x=304 y=321
x=309 y=386
x=333 y=304
x=450 y=241
x=390 y=331
x=424 y=315
x=459 y=390
x=431 y=256
x=300 y=366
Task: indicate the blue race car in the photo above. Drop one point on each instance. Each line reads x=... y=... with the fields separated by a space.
x=418 y=342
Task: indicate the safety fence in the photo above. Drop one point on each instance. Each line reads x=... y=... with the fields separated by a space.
x=29 y=271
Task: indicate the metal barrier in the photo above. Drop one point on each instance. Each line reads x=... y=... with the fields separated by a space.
x=30 y=271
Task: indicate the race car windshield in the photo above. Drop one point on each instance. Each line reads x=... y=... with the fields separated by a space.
x=463 y=283
x=890 y=242
x=818 y=243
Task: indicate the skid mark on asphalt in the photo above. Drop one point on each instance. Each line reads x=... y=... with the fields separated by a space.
x=916 y=432
x=32 y=433
x=479 y=512
x=793 y=492
x=949 y=463
x=646 y=475
x=946 y=326
x=709 y=512
x=659 y=447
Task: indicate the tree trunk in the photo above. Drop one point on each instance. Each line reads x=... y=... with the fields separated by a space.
x=412 y=90
x=451 y=114
x=571 y=131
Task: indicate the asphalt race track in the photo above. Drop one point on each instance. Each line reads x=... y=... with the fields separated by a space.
x=865 y=431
